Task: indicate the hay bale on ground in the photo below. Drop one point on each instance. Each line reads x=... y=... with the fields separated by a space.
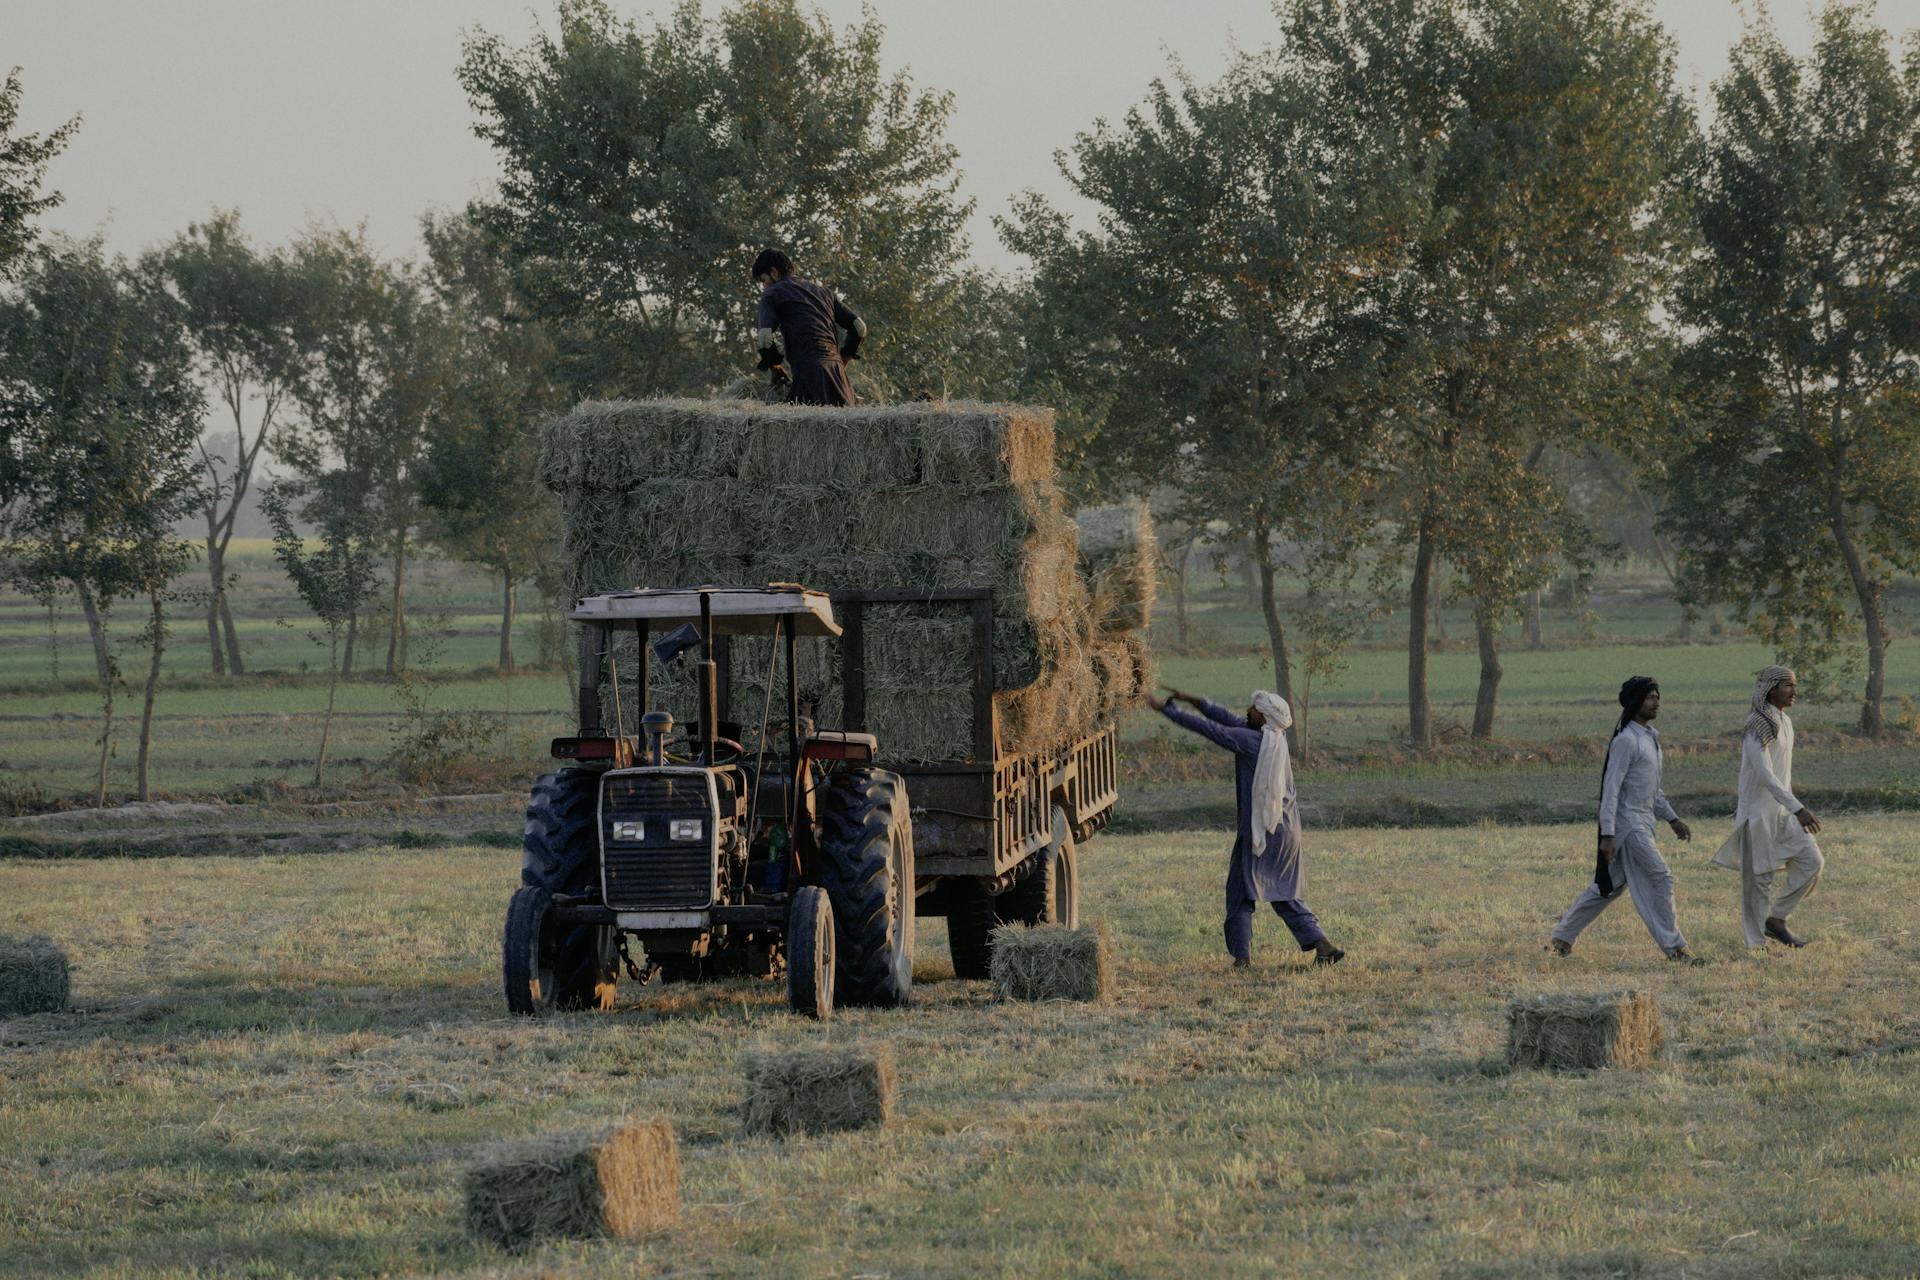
x=1121 y=562
x=1569 y=1032
x=33 y=976
x=819 y=1090
x=1052 y=962
x=621 y=1181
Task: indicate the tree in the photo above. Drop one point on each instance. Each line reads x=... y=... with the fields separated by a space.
x=334 y=580
x=1556 y=139
x=1800 y=498
x=482 y=439
x=371 y=366
x=98 y=415
x=242 y=312
x=23 y=165
x=1216 y=334
x=644 y=165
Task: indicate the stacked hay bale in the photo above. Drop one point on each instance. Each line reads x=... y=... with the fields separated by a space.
x=681 y=493
x=819 y=1090
x=33 y=976
x=621 y=1181
x=1120 y=562
x=1569 y=1032
x=1052 y=962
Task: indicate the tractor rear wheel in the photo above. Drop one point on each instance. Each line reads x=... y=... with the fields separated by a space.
x=971 y=919
x=1050 y=893
x=810 y=953
x=547 y=964
x=866 y=835
x=559 y=843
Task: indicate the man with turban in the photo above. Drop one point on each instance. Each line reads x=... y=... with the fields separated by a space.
x=1771 y=828
x=1630 y=801
x=1265 y=866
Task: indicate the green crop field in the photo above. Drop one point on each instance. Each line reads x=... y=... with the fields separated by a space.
x=278 y=1066
x=234 y=736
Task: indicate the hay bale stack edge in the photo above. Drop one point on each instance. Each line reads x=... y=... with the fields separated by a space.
x=621 y=1181
x=1052 y=962
x=33 y=976
x=1576 y=1032
x=674 y=493
x=819 y=1090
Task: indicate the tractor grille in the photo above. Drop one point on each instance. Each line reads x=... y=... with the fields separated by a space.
x=654 y=872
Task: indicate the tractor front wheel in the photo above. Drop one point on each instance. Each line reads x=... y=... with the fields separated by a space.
x=810 y=953
x=547 y=964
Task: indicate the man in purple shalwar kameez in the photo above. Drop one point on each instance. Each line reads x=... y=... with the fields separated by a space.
x=1266 y=865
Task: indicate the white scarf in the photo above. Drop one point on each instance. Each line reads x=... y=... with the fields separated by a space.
x=1273 y=774
x=1763 y=721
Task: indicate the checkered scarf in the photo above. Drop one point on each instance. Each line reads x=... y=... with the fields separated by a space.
x=1763 y=721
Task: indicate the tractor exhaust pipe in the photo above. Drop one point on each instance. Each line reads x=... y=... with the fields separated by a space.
x=709 y=679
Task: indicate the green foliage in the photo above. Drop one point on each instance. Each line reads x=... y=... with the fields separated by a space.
x=483 y=443
x=23 y=164
x=98 y=414
x=1799 y=497
x=644 y=165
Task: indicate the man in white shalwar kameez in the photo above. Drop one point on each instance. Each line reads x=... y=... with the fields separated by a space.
x=1627 y=858
x=1771 y=829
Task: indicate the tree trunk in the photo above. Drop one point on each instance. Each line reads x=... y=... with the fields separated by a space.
x=1282 y=672
x=326 y=723
x=217 y=575
x=397 y=619
x=1868 y=592
x=506 y=622
x=1419 y=707
x=1490 y=673
x=1536 y=633
x=53 y=641
x=158 y=638
x=106 y=740
x=235 y=663
x=102 y=663
x=1439 y=633
x=353 y=628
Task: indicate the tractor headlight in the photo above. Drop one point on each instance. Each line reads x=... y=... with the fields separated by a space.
x=686 y=829
x=629 y=831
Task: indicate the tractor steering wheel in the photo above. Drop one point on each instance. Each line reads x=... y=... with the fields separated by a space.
x=727 y=751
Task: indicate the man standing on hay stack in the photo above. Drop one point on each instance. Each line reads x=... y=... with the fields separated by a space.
x=808 y=318
x=1630 y=800
x=1771 y=829
x=1266 y=864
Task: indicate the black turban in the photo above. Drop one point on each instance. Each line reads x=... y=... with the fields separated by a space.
x=1633 y=693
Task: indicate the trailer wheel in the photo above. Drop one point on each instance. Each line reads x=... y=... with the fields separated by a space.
x=1050 y=894
x=866 y=835
x=810 y=953
x=547 y=965
x=972 y=916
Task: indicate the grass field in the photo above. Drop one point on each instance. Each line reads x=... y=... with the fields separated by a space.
x=278 y=1066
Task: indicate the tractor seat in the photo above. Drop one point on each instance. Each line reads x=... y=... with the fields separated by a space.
x=839 y=744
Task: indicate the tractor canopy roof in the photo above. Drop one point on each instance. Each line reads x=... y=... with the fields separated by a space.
x=736 y=610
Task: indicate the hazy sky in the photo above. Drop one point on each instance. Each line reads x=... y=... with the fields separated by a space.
x=348 y=110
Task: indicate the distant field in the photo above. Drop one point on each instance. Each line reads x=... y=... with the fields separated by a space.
x=214 y=736
x=278 y=1066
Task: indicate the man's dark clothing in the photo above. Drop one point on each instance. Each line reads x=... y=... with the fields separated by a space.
x=808 y=317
